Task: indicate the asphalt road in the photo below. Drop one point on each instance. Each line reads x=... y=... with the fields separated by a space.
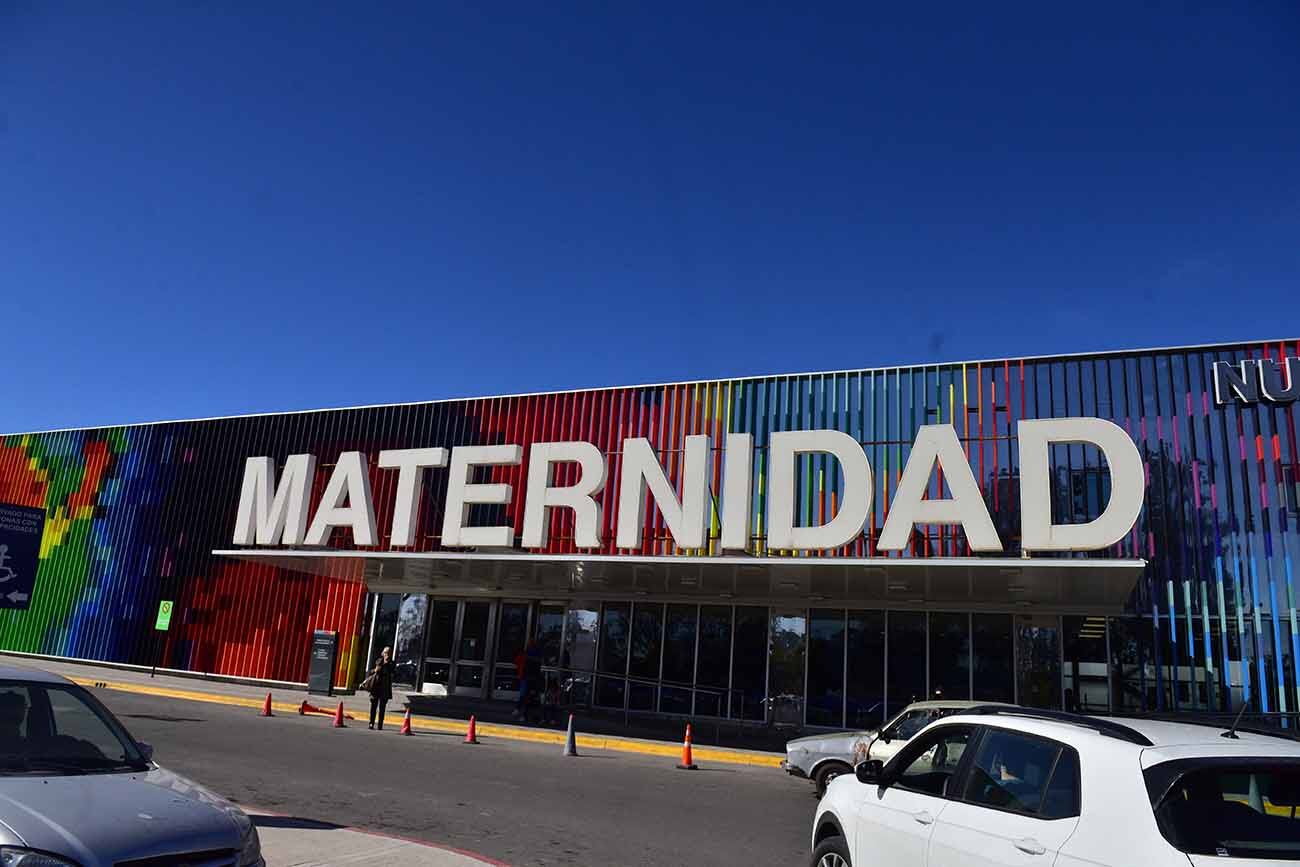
x=521 y=803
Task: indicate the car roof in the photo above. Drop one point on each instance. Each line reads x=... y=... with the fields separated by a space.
x=32 y=675
x=1169 y=739
x=941 y=704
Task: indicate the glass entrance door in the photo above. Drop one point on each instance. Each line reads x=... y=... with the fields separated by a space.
x=470 y=664
x=438 y=649
x=512 y=636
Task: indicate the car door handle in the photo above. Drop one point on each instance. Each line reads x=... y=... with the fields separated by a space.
x=924 y=817
x=1030 y=845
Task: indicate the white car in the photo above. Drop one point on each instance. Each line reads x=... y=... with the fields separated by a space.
x=823 y=757
x=1013 y=786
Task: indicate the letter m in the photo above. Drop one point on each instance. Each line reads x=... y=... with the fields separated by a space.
x=278 y=520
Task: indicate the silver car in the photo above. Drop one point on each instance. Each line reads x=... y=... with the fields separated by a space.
x=77 y=791
x=822 y=758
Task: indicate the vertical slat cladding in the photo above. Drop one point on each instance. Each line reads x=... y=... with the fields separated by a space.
x=133 y=513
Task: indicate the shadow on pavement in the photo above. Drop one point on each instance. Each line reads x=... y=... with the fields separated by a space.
x=162 y=718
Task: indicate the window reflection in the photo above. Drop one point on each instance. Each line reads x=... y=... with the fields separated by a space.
x=679 y=659
x=749 y=663
x=906 y=675
x=410 y=635
x=949 y=656
x=786 y=667
x=1083 y=677
x=992 y=646
x=826 y=668
x=714 y=665
x=866 y=669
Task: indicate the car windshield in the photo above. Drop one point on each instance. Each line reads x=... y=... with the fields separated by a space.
x=1236 y=810
x=61 y=729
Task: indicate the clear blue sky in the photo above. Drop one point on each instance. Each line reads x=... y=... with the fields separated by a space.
x=206 y=212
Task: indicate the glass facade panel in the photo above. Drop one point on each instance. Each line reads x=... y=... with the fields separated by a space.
x=549 y=630
x=613 y=638
x=647 y=638
x=749 y=664
x=385 y=630
x=512 y=635
x=994 y=657
x=786 y=666
x=905 y=676
x=442 y=627
x=865 y=686
x=1038 y=661
x=826 y=667
x=474 y=631
x=1084 y=682
x=579 y=651
x=679 y=644
x=409 y=636
x=1132 y=667
x=949 y=656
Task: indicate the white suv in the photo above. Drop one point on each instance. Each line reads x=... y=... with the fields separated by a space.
x=1013 y=786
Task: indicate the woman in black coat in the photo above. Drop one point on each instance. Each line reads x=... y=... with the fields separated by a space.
x=379 y=683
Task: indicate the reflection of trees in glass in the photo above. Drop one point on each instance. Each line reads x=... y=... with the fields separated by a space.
x=410 y=634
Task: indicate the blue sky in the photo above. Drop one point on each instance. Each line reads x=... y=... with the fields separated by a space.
x=206 y=212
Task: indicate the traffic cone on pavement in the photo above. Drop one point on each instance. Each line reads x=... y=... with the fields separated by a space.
x=570 y=742
x=338 y=717
x=471 y=734
x=688 y=762
x=406 y=724
x=266 y=708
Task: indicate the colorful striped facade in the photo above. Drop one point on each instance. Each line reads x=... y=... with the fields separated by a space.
x=135 y=512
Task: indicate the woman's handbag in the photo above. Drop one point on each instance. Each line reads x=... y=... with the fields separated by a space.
x=369 y=682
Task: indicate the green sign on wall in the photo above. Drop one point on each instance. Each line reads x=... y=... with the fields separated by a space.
x=164 y=615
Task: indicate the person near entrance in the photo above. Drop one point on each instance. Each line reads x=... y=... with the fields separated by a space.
x=530 y=684
x=379 y=683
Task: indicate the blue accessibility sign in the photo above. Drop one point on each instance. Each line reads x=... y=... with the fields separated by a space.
x=20 y=548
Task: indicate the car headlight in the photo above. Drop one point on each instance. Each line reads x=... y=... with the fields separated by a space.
x=250 y=848
x=13 y=856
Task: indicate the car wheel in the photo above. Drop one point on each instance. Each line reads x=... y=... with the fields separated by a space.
x=826 y=773
x=831 y=852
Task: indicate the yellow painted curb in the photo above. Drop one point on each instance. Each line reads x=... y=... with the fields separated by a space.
x=436 y=724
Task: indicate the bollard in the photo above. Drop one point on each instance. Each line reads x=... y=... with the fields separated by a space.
x=571 y=742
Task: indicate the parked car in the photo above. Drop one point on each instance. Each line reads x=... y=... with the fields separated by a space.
x=1013 y=786
x=822 y=758
x=77 y=790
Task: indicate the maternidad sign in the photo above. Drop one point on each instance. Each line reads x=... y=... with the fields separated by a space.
x=276 y=512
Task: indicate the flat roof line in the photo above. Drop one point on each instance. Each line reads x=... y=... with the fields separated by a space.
x=882 y=369
x=682 y=560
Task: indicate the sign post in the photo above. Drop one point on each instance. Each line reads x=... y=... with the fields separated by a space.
x=162 y=624
x=20 y=549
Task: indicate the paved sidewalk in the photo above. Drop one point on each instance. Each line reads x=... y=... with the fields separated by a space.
x=291 y=842
x=287 y=700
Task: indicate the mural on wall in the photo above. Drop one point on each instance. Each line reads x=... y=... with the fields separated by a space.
x=133 y=513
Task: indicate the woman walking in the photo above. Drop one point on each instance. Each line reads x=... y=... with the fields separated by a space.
x=379 y=683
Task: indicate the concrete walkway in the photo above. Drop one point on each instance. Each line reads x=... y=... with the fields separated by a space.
x=288 y=700
x=290 y=842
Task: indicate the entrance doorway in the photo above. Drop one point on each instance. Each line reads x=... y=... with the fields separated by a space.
x=457 y=650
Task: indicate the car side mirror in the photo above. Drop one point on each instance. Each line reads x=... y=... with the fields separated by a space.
x=870 y=772
x=146 y=751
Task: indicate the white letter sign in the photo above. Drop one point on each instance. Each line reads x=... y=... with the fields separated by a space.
x=540 y=497
x=462 y=494
x=687 y=518
x=1127 y=481
x=938 y=444
x=282 y=521
x=346 y=503
x=853 y=508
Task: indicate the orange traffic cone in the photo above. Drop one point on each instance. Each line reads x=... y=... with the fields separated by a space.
x=688 y=763
x=338 y=717
x=266 y=708
x=406 y=724
x=471 y=735
x=302 y=708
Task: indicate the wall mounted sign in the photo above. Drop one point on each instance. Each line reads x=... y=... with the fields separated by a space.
x=276 y=512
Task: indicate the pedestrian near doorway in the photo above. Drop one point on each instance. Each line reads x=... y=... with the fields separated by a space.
x=379 y=683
